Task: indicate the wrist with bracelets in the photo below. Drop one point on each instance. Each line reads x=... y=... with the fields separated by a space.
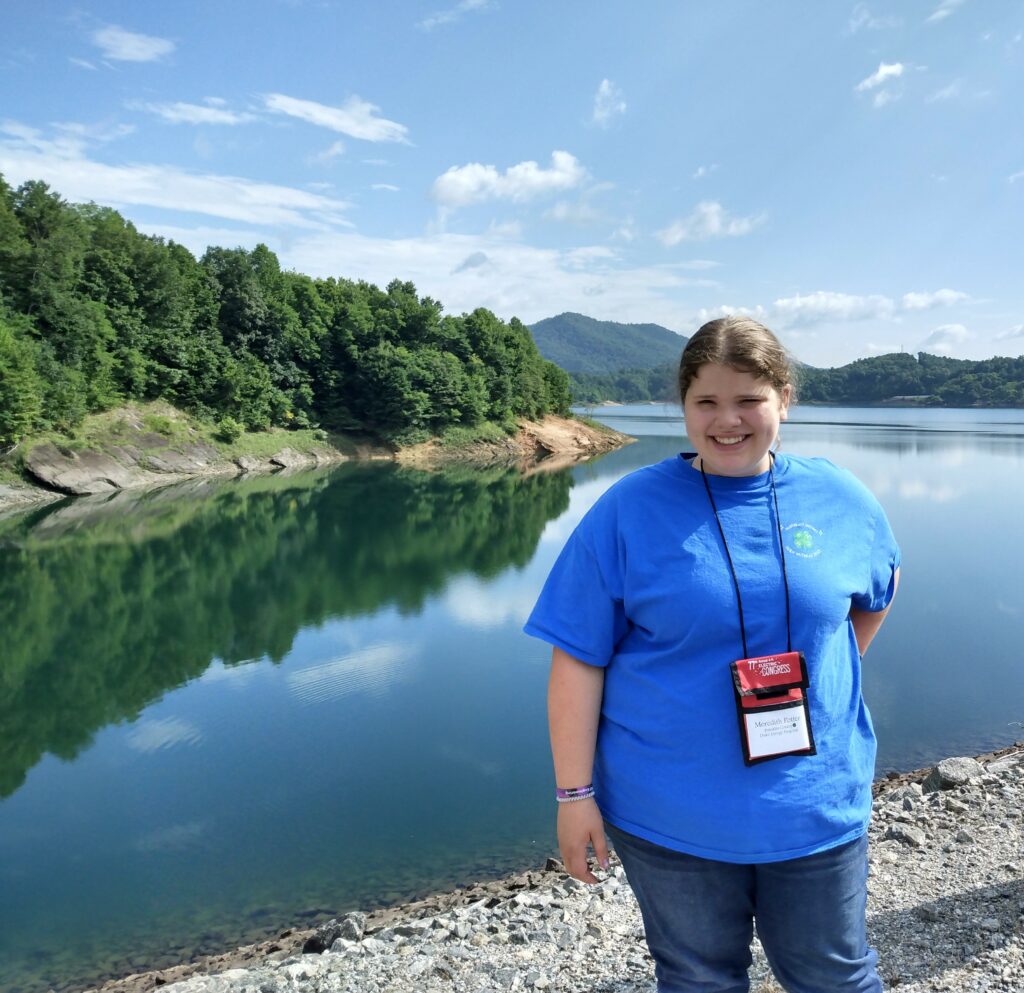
x=574 y=793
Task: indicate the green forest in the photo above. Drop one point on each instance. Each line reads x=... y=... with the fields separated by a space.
x=94 y=314
x=922 y=379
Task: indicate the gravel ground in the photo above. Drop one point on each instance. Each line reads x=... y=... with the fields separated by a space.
x=945 y=911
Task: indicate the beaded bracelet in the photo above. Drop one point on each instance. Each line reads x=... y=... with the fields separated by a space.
x=574 y=793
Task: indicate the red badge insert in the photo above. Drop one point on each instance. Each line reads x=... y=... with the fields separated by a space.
x=771 y=704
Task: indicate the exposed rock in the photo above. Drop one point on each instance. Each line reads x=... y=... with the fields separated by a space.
x=950 y=773
x=288 y=458
x=249 y=463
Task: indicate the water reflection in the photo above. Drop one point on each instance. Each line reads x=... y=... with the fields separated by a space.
x=107 y=604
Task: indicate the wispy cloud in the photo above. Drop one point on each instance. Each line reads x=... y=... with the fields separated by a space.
x=702 y=172
x=1016 y=177
x=1015 y=332
x=945 y=9
x=119 y=45
x=387 y=187
x=885 y=71
x=945 y=339
x=356 y=117
x=608 y=104
x=811 y=308
x=709 y=219
x=951 y=92
x=210 y=112
x=333 y=151
x=63 y=163
x=928 y=301
x=81 y=63
x=453 y=14
x=475 y=183
x=861 y=18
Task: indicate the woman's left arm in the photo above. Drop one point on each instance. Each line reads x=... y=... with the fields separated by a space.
x=867 y=622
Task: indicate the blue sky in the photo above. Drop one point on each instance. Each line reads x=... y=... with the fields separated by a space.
x=852 y=173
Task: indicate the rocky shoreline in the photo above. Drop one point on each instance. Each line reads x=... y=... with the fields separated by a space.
x=945 y=911
x=136 y=458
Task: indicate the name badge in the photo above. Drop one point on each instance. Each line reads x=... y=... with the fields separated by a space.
x=771 y=704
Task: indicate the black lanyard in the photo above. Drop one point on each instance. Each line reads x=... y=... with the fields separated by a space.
x=732 y=568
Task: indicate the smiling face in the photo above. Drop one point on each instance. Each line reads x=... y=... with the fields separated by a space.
x=732 y=419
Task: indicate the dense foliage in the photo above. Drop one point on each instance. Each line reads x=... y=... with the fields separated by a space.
x=897 y=378
x=92 y=314
x=935 y=379
x=583 y=345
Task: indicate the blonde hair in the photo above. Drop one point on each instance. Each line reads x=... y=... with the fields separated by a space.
x=740 y=343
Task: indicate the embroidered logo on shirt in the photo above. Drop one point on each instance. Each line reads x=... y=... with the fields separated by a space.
x=803 y=540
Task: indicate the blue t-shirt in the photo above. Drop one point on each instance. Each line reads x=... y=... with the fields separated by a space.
x=643 y=589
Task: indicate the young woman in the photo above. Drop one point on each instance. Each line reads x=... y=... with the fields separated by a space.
x=708 y=618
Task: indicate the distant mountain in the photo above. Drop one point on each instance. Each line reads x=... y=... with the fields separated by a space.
x=580 y=344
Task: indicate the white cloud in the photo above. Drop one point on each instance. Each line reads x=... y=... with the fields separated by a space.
x=385 y=186
x=485 y=606
x=453 y=14
x=62 y=163
x=356 y=117
x=708 y=220
x=950 y=92
x=608 y=103
x=861 y=18
x=885 y=71
x=198 y=239
x=330 y=153
x=926 y=301
x=706 y=314
x=474 y=183
x=882 y=97
x=702 y=172
x=1016 y=176
x=523 y=280
x=944 y=10
x=826 y=305
x=81 y=63
x=119 y=45
x=945 y=339
x=1014 y=332
x=193 y=113
x=574 y=213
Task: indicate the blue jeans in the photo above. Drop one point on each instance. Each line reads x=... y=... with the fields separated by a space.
x=699 y=916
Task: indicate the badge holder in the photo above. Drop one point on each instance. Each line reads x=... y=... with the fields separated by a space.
x=771 y=704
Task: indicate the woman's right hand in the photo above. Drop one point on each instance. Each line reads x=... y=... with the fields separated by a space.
x=580 y=824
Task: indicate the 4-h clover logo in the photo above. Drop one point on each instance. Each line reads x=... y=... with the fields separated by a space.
x=804 y=540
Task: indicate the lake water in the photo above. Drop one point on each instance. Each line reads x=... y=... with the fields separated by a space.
x=227 y=707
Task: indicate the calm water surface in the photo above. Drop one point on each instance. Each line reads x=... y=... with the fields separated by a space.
x=228 y=707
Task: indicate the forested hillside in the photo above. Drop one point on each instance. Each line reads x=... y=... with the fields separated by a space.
x=923 y=379
x=581 y=344
x=94 y=314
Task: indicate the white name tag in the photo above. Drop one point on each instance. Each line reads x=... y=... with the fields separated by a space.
x=776 y=732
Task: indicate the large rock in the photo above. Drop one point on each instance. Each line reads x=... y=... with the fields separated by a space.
x=288 y=458
x=950 y=773
x=77 y=473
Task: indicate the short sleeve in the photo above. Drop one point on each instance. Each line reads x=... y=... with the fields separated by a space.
x=578 y=609
x=885 y=560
